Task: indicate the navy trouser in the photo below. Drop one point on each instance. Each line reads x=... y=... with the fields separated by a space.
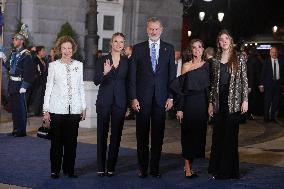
x=19 y=112
x=109 y=115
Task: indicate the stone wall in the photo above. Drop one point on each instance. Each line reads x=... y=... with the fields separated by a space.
x=136 y=13
x=45 y=17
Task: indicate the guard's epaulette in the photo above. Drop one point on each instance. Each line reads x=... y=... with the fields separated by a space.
x=27 y=52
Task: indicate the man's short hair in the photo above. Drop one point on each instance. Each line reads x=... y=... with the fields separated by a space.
x=154 y=19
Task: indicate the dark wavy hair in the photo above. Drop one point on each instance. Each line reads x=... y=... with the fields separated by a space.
x=190 y=47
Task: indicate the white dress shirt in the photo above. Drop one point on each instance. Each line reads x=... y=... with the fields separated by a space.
x=157 y=47
x=179 y=65
x=65 y=92
x=277 y=68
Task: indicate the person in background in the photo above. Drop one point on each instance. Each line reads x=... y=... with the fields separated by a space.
x=52 y=56
x=42 y=68
x=64 y=107
x=111 y=74
x=209 y=56
x=130 y=114
x=227 y=101
x=252 y=64
x=271 y=83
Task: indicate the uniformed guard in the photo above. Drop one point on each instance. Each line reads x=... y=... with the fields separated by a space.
x=21 y=75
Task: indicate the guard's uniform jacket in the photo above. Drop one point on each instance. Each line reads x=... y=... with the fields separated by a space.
x=21 y=70
x=21 y=74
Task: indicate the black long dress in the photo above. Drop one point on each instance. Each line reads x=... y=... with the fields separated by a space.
x=192 y=89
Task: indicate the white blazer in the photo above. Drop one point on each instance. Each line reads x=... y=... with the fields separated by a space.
x=65 y=88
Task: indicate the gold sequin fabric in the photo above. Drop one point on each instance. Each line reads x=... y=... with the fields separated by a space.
x=238 y=89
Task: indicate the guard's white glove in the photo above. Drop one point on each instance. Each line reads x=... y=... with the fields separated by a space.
x=23 y=90
x=3 y=56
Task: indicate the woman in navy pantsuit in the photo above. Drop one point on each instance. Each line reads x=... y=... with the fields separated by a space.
x=111 y=75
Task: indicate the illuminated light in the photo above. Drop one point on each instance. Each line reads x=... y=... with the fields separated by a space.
x=274 y=29
x=201 y=15
x=221 y=16
x=188 y=33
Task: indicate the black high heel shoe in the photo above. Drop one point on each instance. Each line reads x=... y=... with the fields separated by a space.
x=54 y=175
x=110 y=174
x=101 y=174
x=191 y=175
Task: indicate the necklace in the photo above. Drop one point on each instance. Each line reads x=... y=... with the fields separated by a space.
x=69 y=62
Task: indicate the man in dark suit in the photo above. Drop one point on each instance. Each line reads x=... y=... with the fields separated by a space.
x=270 y=83
x=151 y=71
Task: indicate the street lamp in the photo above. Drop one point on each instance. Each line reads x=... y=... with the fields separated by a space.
x=188 y=33
x=221 y=16
x=274 y=29
x=201 y=15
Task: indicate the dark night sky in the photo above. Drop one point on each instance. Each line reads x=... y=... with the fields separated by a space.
x=244 y=19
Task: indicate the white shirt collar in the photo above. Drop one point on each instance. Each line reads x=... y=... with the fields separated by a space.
x=274 y=59
x=157 y=42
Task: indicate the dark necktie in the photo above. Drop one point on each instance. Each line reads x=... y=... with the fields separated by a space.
x=153 y=56
x=274 y=71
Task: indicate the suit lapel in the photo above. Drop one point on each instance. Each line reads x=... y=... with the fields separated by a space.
x=162 y=52
x=147 y=56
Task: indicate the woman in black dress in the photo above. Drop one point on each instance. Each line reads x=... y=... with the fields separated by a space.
x=192 y=106
x=228 y=99
x=111 y=74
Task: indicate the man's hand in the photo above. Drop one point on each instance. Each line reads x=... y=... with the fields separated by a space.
x=135 y=105
x=23 y=90
x=169 y=104
x=179 y=116
x=261 y=88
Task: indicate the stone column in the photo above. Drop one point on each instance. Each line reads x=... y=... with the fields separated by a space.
x=91 y=41
x=91 y=47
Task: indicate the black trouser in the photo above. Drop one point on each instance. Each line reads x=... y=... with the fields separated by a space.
x=116 y=115
x=64 y=132
x=156 y=115
x=19 y=112
x=271 y=99
x=224 y=156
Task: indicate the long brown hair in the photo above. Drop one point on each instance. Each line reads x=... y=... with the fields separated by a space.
x=232 y=62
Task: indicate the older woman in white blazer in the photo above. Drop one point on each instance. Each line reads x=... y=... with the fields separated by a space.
x=64 y=106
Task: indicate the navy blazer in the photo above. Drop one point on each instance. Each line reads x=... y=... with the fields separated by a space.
x=266 y=78
x=144 y=84
x=25 y=68
x=112 y=90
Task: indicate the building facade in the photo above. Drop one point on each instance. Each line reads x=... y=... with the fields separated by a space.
x=45 y=18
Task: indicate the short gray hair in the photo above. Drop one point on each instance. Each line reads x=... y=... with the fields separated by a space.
x=154 y=19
